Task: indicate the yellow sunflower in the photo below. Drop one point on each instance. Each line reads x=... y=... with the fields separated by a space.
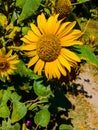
x=47 y=45
x=8 y=63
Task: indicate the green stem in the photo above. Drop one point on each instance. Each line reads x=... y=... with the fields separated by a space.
x=80 y=3
x=86 y=26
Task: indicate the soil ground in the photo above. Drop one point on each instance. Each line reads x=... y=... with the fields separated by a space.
x=85 y=113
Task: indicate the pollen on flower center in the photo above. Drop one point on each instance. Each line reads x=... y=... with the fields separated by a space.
x=48 y=47
x=3 y=64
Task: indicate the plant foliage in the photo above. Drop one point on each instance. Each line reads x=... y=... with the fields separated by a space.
x=27 y=100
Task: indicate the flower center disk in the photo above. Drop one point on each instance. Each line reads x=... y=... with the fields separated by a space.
x=3 y=64
x=48 y=47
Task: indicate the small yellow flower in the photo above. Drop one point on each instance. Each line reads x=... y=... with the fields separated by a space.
x=8 y=63
x=92 y=38
x=47 y=45
x=81 y=128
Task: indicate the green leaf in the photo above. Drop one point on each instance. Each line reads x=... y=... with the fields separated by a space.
x=20 y=3
x=6 y=125
x=25 y=30
x=14 y=127
x=28 y=8
x=65 y=127
x=19 y=111
x=1 y=95
x=4 y=111
x=3 y=79
x=41 y=90
x=42 y=117
x=47 y=11
x=22 y=70
x=15 y=97
x=86 y=54
x=5 y=96
x=14 y=17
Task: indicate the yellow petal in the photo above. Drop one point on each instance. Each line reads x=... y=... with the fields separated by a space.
x=62 y=27
x=3 y=50
x=56 y=70
x=31 y=53
x=14 y=61
x=9 y=53
x=48 y=70
x=13 y=67
x=25 y=40
x=41 y=21
x=67 y=29
x=52 y=20
x=32 y=36
x=0 y=53
x=64 y=62
x=56 y=27
x=35 y=29
x=31 y=40
x=51 y=69
x=61 y=68
x=33 y=61
x=3 y=74
x=28 y=47
x=71 y=55
x=75 y=34
x=70 y=43
x=39 y=66
x=9 y=71
x=12 y=57
x=66 y=57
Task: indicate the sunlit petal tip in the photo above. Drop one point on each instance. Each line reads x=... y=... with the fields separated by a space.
x=42 y=15
x=22 y=48
x=39 y=66
x=29 y=65
x=35 y=29
x=33 y=61
x=56 y=16
x=22 y=38
x=74 y=22
x=9 y=53
x=41 y=23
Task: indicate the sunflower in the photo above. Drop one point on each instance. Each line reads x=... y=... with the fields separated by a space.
x=47 y=46
x=8 y=63
x=63 y=8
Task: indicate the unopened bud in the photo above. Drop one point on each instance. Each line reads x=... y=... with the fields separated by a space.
x=63 y=8
x=92 y=38
x=3 y=20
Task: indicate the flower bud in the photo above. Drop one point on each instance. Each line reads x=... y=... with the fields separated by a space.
x=92 y=38
x=3 y=20
x=28 y=123
x=63 y=8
